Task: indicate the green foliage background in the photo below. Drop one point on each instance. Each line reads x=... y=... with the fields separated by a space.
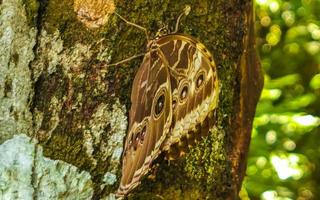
x=284 y=161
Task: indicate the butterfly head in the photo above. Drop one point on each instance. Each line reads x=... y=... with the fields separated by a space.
x=152 y=44
x=164 y=30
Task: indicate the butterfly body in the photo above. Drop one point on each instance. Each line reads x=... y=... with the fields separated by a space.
x=175 y=91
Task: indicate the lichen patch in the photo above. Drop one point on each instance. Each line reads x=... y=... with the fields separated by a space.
x=17 y=40
x=94 y=14
x=53 y=54
x=114 y=121
x=26 y=174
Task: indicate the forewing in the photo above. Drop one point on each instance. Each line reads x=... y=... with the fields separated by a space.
x=149 y=120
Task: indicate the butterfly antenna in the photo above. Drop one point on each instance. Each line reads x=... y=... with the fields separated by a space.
x=185 y=12
x=133 y=24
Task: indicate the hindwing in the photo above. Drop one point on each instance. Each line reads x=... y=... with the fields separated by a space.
x=194 y=87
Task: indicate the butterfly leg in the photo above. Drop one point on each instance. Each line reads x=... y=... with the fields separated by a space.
x=130 y=58
x=135 y=56
x=126 y=60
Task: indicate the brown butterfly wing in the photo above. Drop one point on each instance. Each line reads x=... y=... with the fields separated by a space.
x=149 y=120
x=194 y=86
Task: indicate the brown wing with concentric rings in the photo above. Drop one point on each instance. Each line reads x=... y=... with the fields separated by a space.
x=149 y=120
x=194 y=87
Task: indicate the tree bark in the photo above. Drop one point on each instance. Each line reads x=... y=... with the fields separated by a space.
x=70 y=110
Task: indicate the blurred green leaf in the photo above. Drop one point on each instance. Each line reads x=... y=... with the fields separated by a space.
x=284 y=161
x=315 y=82
x=283 y=81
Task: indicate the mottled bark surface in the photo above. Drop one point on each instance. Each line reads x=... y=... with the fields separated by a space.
x=75 y=107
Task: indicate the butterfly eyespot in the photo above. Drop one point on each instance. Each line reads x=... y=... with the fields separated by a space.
x=184 y=92
x=200 y=80
x=143 y=133
x=135 y=145
x=159 y=105
x=131 y=139
x=174 y=103
x=137 y=136
x=135 y=141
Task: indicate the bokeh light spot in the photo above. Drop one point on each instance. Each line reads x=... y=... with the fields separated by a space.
x=272 y=39
x=252 y=170
x=269 y=195
x=271 y=94
x=306 y=120
x=292 y=48
x=315 y=82
x=314 y=30
x=261 y=2
x=313 y=47
x=289 y=145
x=261 y=162
x=274 y=6
x=265 y=21
x=288 y=17
x=287 y=167
x=271 y=137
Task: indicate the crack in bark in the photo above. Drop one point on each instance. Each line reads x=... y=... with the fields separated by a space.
x=41 y=12
x=34 y=173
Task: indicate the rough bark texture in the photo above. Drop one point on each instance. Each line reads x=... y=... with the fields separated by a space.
x=250 y=85
x=67 y=111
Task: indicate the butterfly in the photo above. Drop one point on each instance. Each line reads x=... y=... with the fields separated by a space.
x=175 y=92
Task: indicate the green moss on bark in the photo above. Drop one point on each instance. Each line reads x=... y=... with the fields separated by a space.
x=59 y=15
x=214 y=24
x=81 y=87
x=31 y=7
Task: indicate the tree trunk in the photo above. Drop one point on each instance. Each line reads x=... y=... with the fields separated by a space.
x=63 y=112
